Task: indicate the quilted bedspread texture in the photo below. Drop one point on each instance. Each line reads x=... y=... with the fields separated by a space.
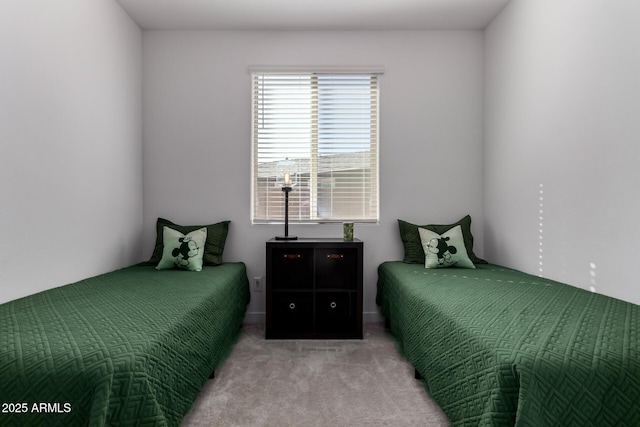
x=500 y=347
x=130 y=347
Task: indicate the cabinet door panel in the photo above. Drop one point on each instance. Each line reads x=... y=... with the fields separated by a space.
x=292 y=268
x=337 y=268
x=292 y=312
x=335 y=312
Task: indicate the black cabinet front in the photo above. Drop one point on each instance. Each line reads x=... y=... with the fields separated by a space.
x=335 y=312
x=292 y=312
x=336 y=268
x=314 y=289
x=292 y=268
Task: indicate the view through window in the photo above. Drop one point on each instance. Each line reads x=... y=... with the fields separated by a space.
x=326 y=125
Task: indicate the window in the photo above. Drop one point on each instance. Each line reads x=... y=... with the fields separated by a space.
x=327 y=125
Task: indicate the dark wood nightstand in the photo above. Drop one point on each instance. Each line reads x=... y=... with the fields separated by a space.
x=314 y=288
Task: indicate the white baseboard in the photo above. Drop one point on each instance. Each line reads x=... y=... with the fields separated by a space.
x=372 y=317
x=255 y=317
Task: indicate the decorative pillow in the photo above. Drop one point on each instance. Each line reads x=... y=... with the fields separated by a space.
x=180 y=251
x=213 y=247
x=413 y=251
x=446 y=250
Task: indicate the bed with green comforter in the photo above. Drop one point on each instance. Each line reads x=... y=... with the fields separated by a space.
x=130 y=347
x=500 y=347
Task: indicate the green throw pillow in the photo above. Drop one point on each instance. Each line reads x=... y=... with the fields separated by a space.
x=413 y=251
x=446 y=250
x=213 y=247
x=182 y=251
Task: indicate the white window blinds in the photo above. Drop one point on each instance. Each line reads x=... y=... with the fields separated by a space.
x=327 y=125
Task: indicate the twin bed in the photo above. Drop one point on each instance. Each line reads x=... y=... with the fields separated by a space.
x=130 y=347
x=496 y=346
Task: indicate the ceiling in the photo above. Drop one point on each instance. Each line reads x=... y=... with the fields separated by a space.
x=312 y=14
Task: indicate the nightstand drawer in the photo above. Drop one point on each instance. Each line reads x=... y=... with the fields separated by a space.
x=335 y=312
x=292 y=268
x=337 y=268
x=292 y=312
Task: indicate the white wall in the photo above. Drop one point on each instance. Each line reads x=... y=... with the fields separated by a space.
x=563 y=137
x=70 y=142
x=196 y=125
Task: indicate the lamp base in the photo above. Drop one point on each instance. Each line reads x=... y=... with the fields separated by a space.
x=286 y=237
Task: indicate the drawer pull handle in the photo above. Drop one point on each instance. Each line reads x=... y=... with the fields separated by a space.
x=335 y=256
x=292 y=256
x=333 y=304
x=292 y=306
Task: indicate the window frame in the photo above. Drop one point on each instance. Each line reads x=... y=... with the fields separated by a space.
x=369 y=215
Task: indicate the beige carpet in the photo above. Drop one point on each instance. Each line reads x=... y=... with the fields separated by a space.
x=314 y=383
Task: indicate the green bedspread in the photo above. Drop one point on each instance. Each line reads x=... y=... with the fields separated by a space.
x=131 y=347
x=500 y=347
